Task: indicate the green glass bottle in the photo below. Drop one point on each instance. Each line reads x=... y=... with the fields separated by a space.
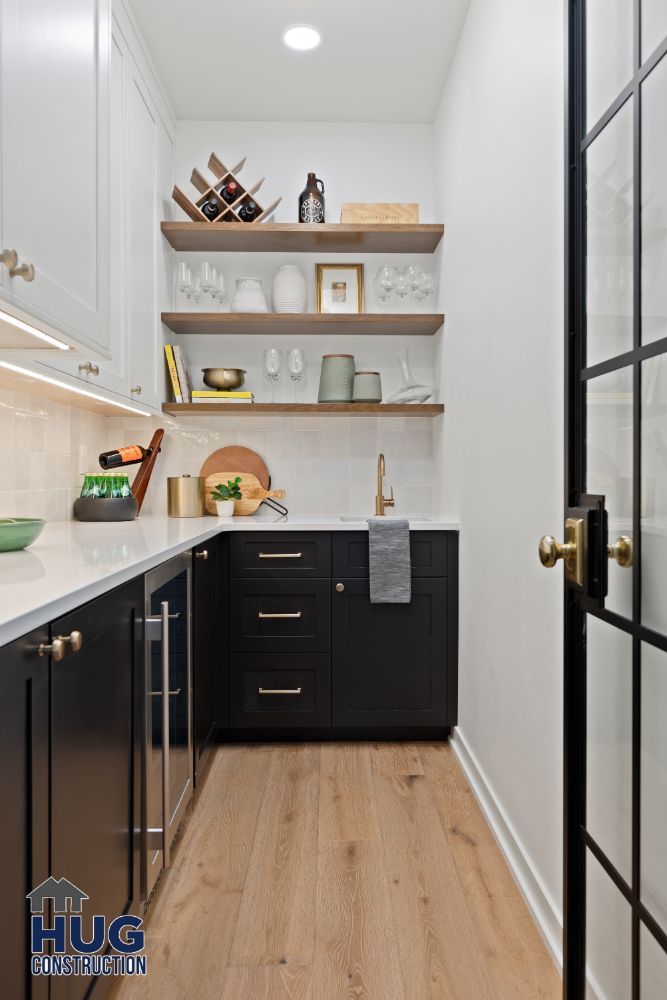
x=94 y=486
x=104 y=487
x=125 y=490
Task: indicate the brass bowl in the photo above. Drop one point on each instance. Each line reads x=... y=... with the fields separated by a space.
x=224 y=378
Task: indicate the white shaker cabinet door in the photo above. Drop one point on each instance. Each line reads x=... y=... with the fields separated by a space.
x=54 y=138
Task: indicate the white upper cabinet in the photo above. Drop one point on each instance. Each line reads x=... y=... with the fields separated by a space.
x=54 y=148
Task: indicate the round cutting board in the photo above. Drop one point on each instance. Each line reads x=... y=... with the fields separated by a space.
x=236 y=457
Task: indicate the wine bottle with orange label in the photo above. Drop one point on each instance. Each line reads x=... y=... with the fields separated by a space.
x=131 y=455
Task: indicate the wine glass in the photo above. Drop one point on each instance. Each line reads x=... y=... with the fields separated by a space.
x=425 y=285
x=194 y=292
x=296 y=366
x=384 y=282
x=404 y=283
x=184 y=279
x=272 y=365
x=206 y=282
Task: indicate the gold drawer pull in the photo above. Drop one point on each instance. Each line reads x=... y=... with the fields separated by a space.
x=291 y=614
x=281 y=555
x=279 y=690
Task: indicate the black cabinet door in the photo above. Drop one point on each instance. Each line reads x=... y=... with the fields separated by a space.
x=390 y=660
x=208 y=641
x=24 y=779
x=92 y=779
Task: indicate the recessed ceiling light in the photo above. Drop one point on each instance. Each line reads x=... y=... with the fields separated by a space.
x=302 y=37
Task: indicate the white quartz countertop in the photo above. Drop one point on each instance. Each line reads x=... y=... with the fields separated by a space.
x=73 y=562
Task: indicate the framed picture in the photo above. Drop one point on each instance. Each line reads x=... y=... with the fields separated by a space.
x=340 y=288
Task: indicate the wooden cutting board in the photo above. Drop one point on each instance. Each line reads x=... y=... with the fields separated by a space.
x=251 y=488
x=236 y=457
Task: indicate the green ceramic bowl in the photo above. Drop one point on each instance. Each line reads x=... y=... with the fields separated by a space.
x=18 y=532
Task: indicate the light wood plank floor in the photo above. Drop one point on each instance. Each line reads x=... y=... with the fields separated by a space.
x=340 y=871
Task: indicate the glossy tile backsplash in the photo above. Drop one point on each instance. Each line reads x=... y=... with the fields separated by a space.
x=327 y=465
x=44 y=447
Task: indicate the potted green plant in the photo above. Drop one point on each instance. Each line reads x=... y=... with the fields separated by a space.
x=226 y=495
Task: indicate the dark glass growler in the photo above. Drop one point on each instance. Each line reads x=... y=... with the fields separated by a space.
x=311 y=201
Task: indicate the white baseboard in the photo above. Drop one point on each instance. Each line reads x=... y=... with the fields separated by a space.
x=546 y=914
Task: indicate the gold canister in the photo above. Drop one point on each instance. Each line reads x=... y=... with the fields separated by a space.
x=185 y=496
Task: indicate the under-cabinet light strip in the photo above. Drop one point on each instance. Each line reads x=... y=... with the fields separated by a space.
x=33 y=331
x=71 y=388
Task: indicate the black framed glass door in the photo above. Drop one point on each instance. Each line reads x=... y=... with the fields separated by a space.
x=615 y=939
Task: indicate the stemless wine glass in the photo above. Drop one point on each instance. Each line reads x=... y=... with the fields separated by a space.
x=296 y=366
x=272 y=365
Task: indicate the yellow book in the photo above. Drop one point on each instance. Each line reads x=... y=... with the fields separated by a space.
x=173 y=374
x=219 y=394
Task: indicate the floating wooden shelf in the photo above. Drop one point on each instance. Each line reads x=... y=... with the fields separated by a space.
x=253 y=409
x=278 y=237
x=404 y=325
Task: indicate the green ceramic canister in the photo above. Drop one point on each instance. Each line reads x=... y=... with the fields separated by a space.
x=336 y=378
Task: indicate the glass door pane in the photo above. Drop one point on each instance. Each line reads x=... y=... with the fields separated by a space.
x=654 y=203
x=609 y=451
x=610 y=240
x=608 y=53
x=609 y=742
x=654 y=783
x=608 y=936
x=654 y=494
x=654 y=26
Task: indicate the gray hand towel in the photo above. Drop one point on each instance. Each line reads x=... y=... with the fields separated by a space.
x=389 y=558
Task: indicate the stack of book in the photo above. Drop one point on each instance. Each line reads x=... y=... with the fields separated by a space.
x=221 y=396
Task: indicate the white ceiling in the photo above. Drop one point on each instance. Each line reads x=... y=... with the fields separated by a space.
x=379 y=61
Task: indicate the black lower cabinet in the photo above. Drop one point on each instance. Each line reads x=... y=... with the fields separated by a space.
x=390 y=664
x=93 y=780
x=24 y=830
x=209 y=653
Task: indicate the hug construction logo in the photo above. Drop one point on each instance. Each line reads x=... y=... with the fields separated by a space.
x=58 y=945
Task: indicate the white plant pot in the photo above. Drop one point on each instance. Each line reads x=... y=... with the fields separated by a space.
x=225 y=508
x=289 y=290
x=249 y=296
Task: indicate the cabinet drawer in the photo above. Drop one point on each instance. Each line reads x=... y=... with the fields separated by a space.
x=428 y=553
x=284 y=555
x=287 y=616
x=281 y=689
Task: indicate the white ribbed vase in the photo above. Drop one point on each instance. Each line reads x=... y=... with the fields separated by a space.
x=249 y=296
x=289 y=290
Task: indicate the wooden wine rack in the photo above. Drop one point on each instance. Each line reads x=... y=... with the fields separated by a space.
x=211 y=192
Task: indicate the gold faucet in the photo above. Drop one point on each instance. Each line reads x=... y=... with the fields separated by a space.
x=380 y=501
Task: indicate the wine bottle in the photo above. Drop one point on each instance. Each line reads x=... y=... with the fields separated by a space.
x=230 y=192
x=248 y=212
x=211 y=209
x=131 y=455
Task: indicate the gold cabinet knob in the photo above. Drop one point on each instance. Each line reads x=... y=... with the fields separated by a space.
x=89 y=368
x=340 y=587
x=621 y=551
x=25 y=271
x=74 y=640
x=551 y=551
x=202 y=555
x=55 y=649
x=9 y=258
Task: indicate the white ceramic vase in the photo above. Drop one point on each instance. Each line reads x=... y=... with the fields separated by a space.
x=225 y=508
x=249 y=296
x=289 y=290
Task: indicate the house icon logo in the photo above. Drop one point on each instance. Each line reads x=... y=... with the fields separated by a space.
x=65 y=895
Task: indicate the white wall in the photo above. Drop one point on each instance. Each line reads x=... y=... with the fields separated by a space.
x=499 y=171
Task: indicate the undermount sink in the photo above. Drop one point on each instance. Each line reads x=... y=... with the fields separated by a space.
x=364 y=517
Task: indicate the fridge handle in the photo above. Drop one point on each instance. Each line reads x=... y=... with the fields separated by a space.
x=166 y=846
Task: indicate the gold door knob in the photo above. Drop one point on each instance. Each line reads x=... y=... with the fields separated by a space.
x=340 y=587
x=551 y=551
x=621 y=551
x=74 y=640
x=55 y=649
